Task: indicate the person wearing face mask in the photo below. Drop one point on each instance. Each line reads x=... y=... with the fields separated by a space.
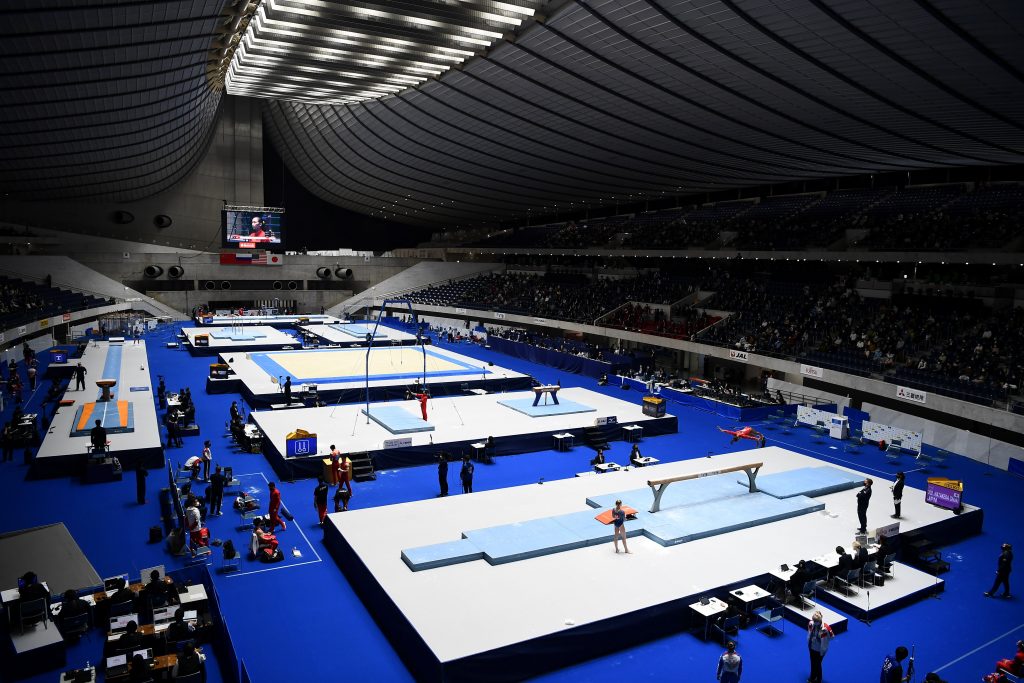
x=819 y=635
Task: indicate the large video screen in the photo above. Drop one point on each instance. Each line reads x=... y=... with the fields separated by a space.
x=253 y=229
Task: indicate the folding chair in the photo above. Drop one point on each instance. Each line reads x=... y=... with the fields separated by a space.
x=886 y=567
x=76 y=627
x=808 y=594
x=33 y=611
x=845 y=584
x=727 y=628
x=768 y=616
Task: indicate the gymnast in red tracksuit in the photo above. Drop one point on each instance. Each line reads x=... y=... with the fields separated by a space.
x=422 y=398
x=275 y=508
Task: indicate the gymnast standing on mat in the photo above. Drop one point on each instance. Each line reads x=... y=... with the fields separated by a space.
x=619 y=521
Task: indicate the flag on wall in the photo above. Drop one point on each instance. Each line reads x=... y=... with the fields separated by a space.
x=245 y=258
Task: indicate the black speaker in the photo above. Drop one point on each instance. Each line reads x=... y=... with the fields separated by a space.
x=175 y=272
x=323 y=273
x=152 y=271
x=209 y=284
x=278 y=284
x=162 y=221
x=343 y=273
x=123 y=217
x=224 y=284
x=293 y=285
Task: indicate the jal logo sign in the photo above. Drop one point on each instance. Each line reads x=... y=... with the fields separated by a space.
x=738 y=355
x=908 y=394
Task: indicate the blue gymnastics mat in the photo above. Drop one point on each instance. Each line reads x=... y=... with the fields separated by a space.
x=806 y=481
x=678 y=494
x=526 y=407
x=549 y=535
x=240 y=335
x=358 y=331
x=397 y=419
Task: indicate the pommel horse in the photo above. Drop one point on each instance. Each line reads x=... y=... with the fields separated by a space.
x=658 y=486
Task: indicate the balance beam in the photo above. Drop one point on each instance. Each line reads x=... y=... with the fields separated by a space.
x=658 y=486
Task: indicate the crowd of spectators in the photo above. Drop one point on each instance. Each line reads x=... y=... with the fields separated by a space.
x=560 y=296
x=22 y=302
x=930 y=218
x=642 y=318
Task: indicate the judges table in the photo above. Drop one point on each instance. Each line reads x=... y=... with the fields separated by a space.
x=12 y=595
x=643 y=461
x=749 y=595
x=709 y=611
x=160 y=667
x=607 y=467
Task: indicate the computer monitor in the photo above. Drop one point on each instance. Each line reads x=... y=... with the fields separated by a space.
x=146 y=572
x=114 y=583
x=147 y=653
x=191 y=615
x=120 y=624
x=163 y=614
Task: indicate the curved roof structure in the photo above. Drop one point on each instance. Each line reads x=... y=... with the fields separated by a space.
x=606 y=100
x=401 y=110
x=104 y=99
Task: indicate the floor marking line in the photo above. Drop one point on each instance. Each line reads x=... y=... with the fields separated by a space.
x=980 y=647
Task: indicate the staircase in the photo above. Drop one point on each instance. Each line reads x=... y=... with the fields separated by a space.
x=362 y=467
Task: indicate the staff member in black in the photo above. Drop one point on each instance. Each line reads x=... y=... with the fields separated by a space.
x=466 y=475
x=98 y=438
x=288 y=390
x=1004 y=565
x=80 y=373
x=897 y=493
x=863 y=498
x=442 y=473
x=217 y=483
x=140 y=484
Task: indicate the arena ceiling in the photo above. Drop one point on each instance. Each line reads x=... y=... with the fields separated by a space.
x=401 y=110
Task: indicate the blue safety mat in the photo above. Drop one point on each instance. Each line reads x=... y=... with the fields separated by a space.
x=358 y=331
x=678 y=494
x=807 y=481
x=526 y=407
x=548 y=535
x=441 y=554
x=236 y=335
x=404 y=373
x=397 y=419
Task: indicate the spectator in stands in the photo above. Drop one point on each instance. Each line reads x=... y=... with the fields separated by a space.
x=1014 y=666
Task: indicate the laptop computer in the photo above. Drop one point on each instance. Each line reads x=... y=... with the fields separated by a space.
x=191 y=615
x=164 y=614
x=120 y=624
x=114 y=582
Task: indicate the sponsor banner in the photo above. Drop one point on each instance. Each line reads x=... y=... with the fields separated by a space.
x=812 y=371
x=45 y=322
x=499 y=316
x=301 y=446
x=403 y=442
x=540 y=321
x=738 y=355
x=22 y=329
x=610 y=420
x=460 y=310
x=66 y=317
x=908 y=394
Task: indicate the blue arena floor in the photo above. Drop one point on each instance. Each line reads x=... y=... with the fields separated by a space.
x=305 y=605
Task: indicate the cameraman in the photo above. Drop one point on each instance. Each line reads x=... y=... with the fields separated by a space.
x=892 y=667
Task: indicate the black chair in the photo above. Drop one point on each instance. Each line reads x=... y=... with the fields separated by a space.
x=122 y=608
x=77 y=626
x=32 y=611
x=727 y=628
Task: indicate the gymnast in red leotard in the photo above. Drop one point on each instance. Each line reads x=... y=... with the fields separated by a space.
x=745 y=433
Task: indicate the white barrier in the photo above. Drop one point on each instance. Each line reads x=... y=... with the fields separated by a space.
x=812 y=416
x=874 y=431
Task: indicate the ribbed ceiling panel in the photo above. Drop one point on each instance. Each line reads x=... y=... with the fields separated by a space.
x=616 y=99
x=104 y=99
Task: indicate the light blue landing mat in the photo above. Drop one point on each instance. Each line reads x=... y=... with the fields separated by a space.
x=807 y=481
x=239 y=335
x=526 y=407
x=397 y=419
